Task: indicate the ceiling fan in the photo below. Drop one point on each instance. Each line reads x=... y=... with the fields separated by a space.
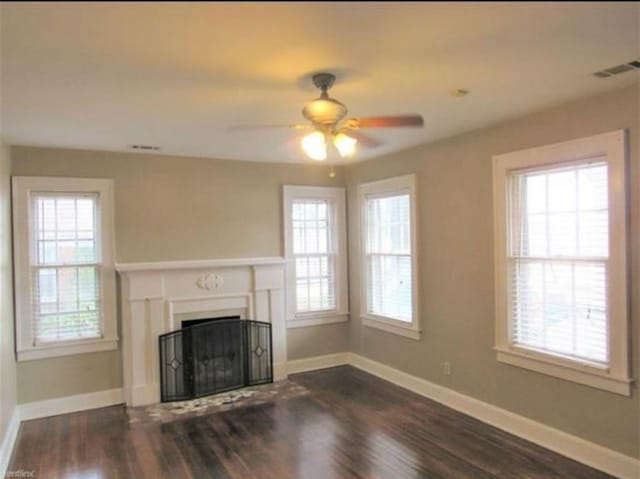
x=329 y=126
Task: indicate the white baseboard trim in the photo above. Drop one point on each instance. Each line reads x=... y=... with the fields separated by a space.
x=594 y=455
x=64 y=405
x=317 y=362
x=9 y=440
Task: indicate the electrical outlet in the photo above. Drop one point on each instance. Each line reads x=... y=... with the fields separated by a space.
x=447 y=368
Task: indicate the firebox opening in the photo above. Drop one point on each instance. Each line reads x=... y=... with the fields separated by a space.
x=193 y=322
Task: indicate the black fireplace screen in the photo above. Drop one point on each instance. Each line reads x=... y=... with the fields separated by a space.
x=214 y=356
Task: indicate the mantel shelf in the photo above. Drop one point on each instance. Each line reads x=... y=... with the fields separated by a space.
x=198 y=264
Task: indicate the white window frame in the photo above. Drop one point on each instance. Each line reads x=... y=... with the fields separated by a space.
x=335 y=196
x=22 y=228
x=389 y=187
x=614 y=377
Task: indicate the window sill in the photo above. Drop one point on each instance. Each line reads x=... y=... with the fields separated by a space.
x=317 y=319
x=67 y=349
x=391 y=326
x=581 y=373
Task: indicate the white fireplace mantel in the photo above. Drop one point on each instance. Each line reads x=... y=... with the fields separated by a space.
x=156 y=296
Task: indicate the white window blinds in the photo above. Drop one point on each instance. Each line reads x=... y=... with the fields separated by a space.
x=65 y=267
x=558 y=260
x=314 y=254
x=388 y=256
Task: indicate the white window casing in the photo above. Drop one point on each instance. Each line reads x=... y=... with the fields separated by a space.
x=388 y=256
x=561 y=268
x=316 y=254
x=63 y=266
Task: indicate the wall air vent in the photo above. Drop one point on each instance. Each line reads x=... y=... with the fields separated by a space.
x=145 y=147
x=618 y=69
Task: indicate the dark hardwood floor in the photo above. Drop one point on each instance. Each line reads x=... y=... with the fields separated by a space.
x=351 y=425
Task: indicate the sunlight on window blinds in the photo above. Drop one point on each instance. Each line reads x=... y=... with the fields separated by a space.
x=388 y=254
x=558 y=260
x=65 y=267
x=314 y=255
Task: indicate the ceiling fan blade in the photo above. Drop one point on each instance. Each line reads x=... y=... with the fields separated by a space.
x=265 y=127
x=386 y=121
x=363 y=138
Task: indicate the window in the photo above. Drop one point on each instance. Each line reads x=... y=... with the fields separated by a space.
x=65 y=298
x=315 y=237
x=389 y=256
x=561 y=260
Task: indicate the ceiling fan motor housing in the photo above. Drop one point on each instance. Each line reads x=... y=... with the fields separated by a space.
x=324 y=111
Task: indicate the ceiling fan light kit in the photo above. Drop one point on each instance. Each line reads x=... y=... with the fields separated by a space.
x=345 y=144
x=315 y=145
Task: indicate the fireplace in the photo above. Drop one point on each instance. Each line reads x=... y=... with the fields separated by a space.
x=159 y=298
x=213 y=355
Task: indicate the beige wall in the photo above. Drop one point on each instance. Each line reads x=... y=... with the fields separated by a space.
x=175 y=208
x=7 y=355
x=455 y=228
x=68 y=375
x=317 y=340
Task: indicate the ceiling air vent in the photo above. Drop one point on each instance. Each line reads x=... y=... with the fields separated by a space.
x=618 y=69
x=145 y=147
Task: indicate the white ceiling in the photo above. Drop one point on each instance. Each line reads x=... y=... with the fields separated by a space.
x=178 y=75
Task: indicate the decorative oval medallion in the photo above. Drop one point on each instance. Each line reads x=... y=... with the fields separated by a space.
x=210 y=281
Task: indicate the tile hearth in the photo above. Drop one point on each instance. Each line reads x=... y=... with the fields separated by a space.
x=142 y=416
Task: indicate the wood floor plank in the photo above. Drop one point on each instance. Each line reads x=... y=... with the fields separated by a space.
x=349 y=425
